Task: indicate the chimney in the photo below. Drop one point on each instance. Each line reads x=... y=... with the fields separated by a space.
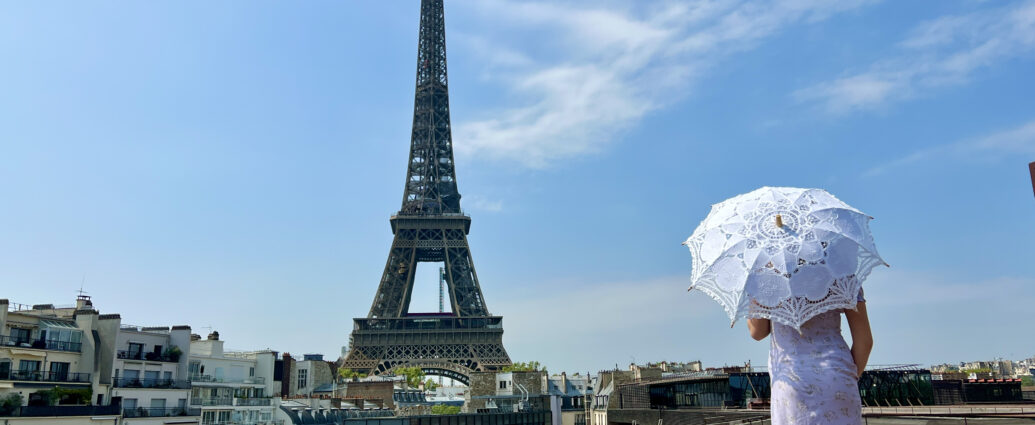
x=214 y=336
x=195 y=337
x=82 y=302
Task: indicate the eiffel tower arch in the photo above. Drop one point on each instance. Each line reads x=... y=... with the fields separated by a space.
x=430 y=227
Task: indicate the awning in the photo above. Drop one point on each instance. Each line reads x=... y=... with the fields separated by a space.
x=30 y=353
x=58 y=324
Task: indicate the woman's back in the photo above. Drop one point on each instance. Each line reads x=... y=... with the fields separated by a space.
x=813 y=375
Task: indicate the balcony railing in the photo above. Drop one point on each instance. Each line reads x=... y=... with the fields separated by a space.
x=41 y=344
x=21 y=375
x=209 y=378
x=217 y=401
x=151 y=383
x=140 y=355
x=252 y=401
x=30 y=411
x=155 y=412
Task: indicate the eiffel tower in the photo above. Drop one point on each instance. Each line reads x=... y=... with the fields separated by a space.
x=430 y=227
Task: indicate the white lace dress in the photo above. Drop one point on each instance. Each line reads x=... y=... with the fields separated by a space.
x=813 y=374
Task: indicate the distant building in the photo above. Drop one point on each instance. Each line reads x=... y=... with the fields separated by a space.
x=150 y=378
x=568 y=397
x=507 y=392
x=309 y=374
x=231 y=387
x=43 y=347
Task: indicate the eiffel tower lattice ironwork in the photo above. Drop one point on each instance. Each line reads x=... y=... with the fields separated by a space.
x=430 y=227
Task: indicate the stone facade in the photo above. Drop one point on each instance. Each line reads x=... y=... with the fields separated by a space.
x=380 y=390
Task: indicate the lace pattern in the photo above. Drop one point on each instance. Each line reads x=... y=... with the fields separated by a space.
x=815 y=262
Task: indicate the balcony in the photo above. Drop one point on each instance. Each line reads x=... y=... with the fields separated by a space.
x=37 y=411
x=41 y=344
x=257 y=380
x=21 y=375
x=252 y=401
x=217 y=401
x=151 y=383
x=151 y=357
x=154 y=412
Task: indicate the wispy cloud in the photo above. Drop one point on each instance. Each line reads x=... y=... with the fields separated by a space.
x=943 y=52
x=1020 y=140
x=476 y=202
x=611 y=68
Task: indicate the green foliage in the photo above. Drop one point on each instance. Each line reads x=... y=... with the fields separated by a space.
x=1028 y=381
x=414 y=375
x=430 y=385
x=58 y=395
x=532 y=366
x=977 y=370
x=444 y=409
x=349 y=374
x=10 y=402
x=172 y=352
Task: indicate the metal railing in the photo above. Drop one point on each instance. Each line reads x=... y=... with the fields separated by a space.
x=209 y=378
x=41 y=344
x=30 y=411
x=22 y=375
x=140 y=355
x=429 y=323
x=150 y=383
x=252 y=401
x=158 y=412
x=216 y=401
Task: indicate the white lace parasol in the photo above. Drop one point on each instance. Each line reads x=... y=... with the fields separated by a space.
x=782 y=253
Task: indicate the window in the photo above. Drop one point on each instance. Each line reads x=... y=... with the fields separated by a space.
x=59 y=370
x=5 y=369
x=182 y=403
x=158 y=403
x=194 y=369
x=21 y=335
x=131 y=374
x=167 y=375
x=151 y=375
x=135 y=351
x=129 y=403
x=303 y=378
x=503 y=385
x=251 y=372
x=29 y=365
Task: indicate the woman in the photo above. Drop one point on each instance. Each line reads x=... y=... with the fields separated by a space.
x=815 y=377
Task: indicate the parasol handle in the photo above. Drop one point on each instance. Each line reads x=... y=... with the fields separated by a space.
x=779 y=221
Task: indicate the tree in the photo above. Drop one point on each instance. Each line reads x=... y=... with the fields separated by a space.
x=349 y=374
x=1027 y=381
x=10 y=402
x=430 y=385
x=444 y=409
x=532 y=366
x=414 y=375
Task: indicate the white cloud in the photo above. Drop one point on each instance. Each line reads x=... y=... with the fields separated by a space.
x=476 y=202
x=1020 y=140
x=611 y=68
x=943 y=52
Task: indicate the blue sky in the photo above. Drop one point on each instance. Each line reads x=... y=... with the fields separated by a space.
x=233 y=165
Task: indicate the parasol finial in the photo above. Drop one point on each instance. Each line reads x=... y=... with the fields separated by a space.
x=779 y=221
